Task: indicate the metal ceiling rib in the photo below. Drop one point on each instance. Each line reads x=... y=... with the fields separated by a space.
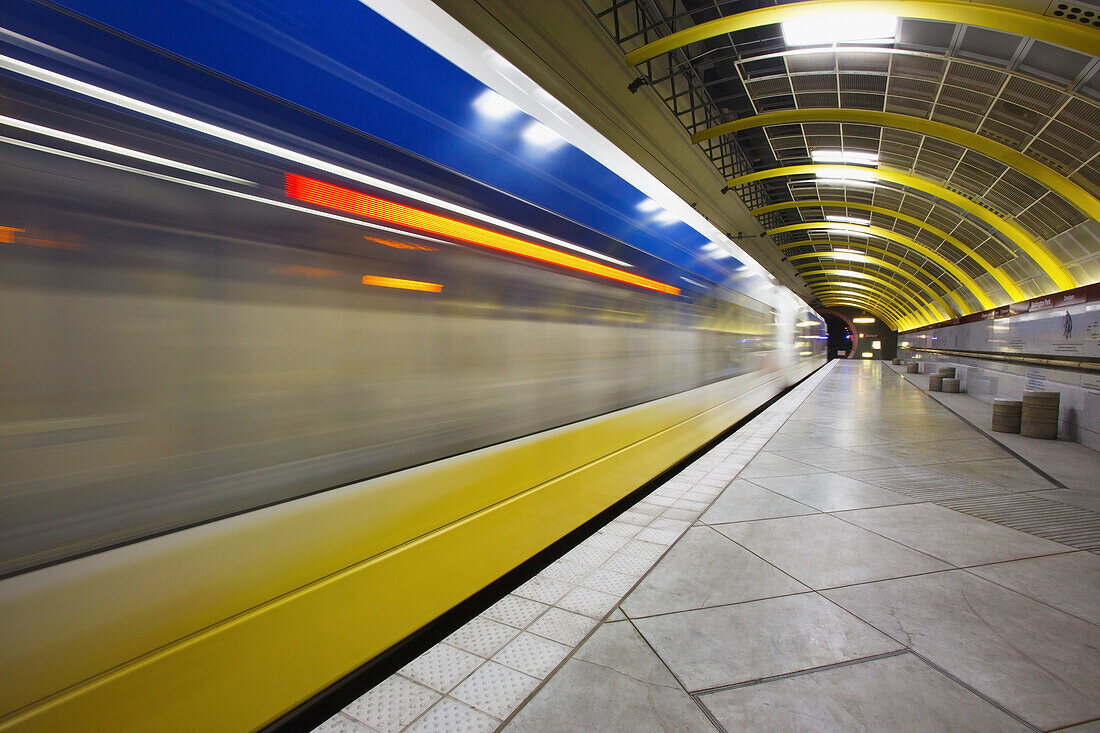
x=992 y=112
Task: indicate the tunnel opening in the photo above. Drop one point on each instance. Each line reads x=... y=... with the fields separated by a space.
x=840 y=337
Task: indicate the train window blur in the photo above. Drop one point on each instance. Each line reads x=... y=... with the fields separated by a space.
x=174 y=353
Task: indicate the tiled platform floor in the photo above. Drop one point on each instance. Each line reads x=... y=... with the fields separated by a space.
x=825 y=587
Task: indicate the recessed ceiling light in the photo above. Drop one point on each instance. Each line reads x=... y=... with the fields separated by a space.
x=844 y=156
x=493 y=106
x=539 y=134
x=846 y=173
x=848 y=220
x=820 y=29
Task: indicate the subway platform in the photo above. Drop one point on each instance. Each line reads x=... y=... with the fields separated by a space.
x=860 y=556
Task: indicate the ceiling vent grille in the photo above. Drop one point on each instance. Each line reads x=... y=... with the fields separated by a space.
x=1075 y=12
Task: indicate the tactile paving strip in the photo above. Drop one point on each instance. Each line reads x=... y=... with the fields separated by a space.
x=1052 y=520
x=927 y=485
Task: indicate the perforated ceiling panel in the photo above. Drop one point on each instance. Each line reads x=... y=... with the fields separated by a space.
x=1026 y=95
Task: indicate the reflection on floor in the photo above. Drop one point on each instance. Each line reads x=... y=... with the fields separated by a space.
x=839 y=582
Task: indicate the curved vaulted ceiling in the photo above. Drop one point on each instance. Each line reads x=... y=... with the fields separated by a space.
x=969 y=174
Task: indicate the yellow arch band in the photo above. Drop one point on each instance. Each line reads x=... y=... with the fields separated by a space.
x=899 y=317
x=837 y=291
x=865 y=305
x=920 y=318
x=1013 y=290
x=955 y=270
x=888 y=289
x=962 y=307
x=866 y=308
x=863 y=299
x=1022 y=23
x=1030 y=167
x=1062 y=279
x=840 y=259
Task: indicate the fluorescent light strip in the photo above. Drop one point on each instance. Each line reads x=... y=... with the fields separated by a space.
x=844 y=156
x=848 y=220
x=817 y=29
x=221 y=133
x=846 y=173
x=223 y=191
x=127 y=152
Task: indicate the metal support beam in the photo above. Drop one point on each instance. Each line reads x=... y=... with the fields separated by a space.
x=1013 y=290
x=1022 y=23
x=1012 y=231
x=1014 y=159
x=956 y=271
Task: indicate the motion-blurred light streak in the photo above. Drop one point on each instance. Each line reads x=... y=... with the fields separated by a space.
x=348 y=201
x=119 y=150
x=92 y=91
x=401 y=284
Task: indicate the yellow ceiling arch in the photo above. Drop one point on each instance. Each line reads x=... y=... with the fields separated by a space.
x=956 y=271
x=837 y=291
x=889 y=289
x=917 y=318
x=899 y=319
x=867 y=306
x=1050 y=265
x=845 y=257
x=1010 y=20
x=962 y=307
x=903 y=308
x=1013 y=290
x=863 y=300
x=1030 y=167
x=886 y=308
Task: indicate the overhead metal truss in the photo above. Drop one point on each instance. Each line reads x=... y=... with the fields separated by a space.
x=985 y=120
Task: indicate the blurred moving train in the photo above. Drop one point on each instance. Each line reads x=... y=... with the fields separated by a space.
x=273 y=399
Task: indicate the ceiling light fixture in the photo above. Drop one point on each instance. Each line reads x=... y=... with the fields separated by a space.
x=821 y=29
x=539 y=134
x=844 y=156
x=491 y=105
x=848 y=220
x=846 y=173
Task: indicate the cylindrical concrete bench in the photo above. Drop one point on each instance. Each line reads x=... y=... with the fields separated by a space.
x=1006 y=416
x=947 y=372
x=950 y=385
x=912 y=367
x=1039 y=415
x=935 y=383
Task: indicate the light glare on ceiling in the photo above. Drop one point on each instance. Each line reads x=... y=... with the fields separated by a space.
x=493 y=106
x=844 y=156
x=846 y=173
x=848 y=220
x=819 y=29
x=539 y=134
